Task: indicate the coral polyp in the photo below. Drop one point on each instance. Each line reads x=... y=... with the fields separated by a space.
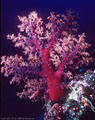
x=53 y=54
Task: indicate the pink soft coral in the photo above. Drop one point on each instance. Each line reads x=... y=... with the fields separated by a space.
x=56 y=47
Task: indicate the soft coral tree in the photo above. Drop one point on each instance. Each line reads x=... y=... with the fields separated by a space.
x=52 y=50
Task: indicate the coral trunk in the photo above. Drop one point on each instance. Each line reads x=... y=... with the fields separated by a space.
x=55 y=89
x=54 y=83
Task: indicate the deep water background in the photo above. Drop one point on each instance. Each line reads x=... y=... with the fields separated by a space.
x=12 y=106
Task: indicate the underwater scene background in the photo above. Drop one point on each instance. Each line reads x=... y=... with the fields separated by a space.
x=12 y=106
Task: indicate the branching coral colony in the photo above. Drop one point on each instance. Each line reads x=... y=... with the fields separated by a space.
x=54 y=52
